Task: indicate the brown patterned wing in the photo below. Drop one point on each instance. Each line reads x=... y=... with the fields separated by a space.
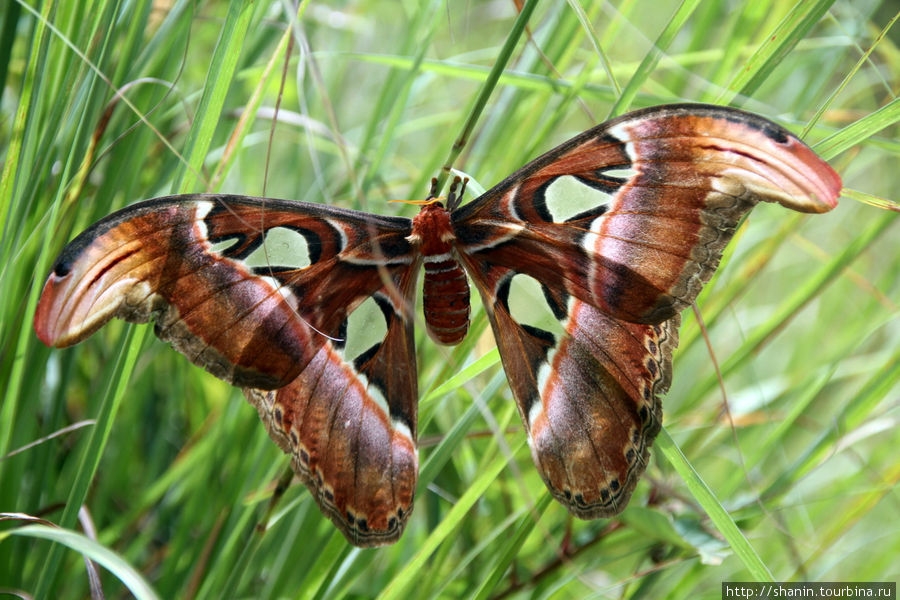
x=632 y=216
x=587 y=386
x=614 y=233
x=349 y=420
x=304 y=306
x=242 y=286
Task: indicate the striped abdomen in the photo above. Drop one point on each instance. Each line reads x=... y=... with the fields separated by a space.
x=446 y=300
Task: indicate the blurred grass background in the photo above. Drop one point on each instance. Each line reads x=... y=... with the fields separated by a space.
x=106 y=103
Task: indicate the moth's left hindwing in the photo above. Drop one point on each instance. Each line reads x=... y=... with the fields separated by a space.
x=263 y=294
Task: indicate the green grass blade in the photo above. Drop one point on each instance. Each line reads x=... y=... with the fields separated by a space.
x=717 y=513
x=771 y=53
x=804 y=293
x=73 y=540
x=510 y=547
x=9 y=198
x=399 y=586
x=665 y=39
x=218 y=79
x=861 y=130
x=93 y=449
x=859 y=408
x=487 y=89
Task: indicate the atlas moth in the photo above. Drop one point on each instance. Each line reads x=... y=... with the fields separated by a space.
x=617 y=230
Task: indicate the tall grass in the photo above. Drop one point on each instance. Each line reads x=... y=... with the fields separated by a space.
x=163 y=475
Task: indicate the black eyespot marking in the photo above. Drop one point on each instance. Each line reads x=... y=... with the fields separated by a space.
x=614 y=485
x=62 y=268
x=644 y=414
x=776 y=134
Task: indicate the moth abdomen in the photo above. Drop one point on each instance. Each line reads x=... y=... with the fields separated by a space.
x=446 y=300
